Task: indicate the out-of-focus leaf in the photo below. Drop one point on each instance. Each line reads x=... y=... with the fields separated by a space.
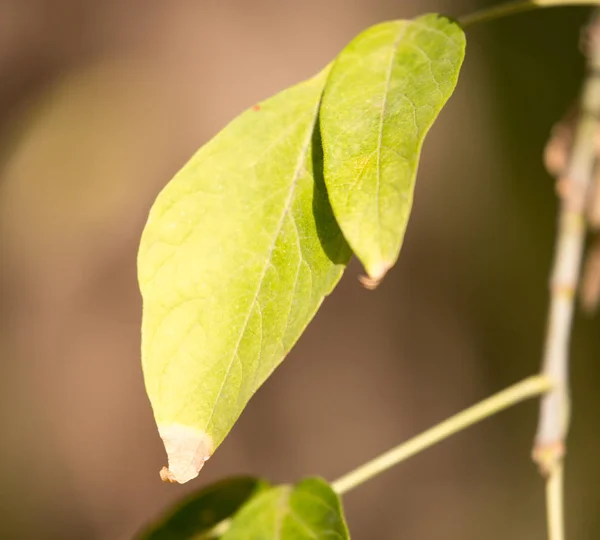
x=305 y=511
x=239 y=251
x=383 y=94
x=197 y=516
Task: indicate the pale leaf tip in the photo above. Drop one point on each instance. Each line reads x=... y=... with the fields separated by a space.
x=368 y=282
x=187 y=449
x=375 y=276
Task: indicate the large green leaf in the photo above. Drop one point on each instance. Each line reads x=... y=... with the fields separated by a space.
x=384 y=92
x=199 y=515
x=238 y=253
x=307 y=511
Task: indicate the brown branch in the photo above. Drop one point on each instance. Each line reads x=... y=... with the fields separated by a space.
x=571 y=155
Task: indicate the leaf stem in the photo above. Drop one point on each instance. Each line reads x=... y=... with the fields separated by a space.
x=554 y=503
x=516 y=7
x=530 y=387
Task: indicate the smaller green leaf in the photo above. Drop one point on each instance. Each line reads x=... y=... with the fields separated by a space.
x=383 y=94
x=305 y=511
x=197 y=516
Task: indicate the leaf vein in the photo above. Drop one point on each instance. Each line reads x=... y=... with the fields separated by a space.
x=255 y=299
x=384 y=103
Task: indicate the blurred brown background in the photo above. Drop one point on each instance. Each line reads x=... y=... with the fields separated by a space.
x=101 y=101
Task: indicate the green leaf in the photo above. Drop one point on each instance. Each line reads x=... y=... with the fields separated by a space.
x=238 y=253
x=383 y=94
x=197 y=516
x=308 y=510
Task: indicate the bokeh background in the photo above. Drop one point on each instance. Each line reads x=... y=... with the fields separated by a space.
x=102 y=101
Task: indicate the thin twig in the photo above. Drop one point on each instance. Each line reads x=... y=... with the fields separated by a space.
x=533 y=386
x=575 y=186
x=518 y=6
x=554 y=503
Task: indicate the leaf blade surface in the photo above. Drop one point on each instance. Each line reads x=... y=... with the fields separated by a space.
x=239 y=250
x=305 y=511
x=201 y=513
x=383 y=93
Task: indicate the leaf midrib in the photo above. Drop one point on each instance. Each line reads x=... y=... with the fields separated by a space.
x=388 y=78
x=287 y=206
